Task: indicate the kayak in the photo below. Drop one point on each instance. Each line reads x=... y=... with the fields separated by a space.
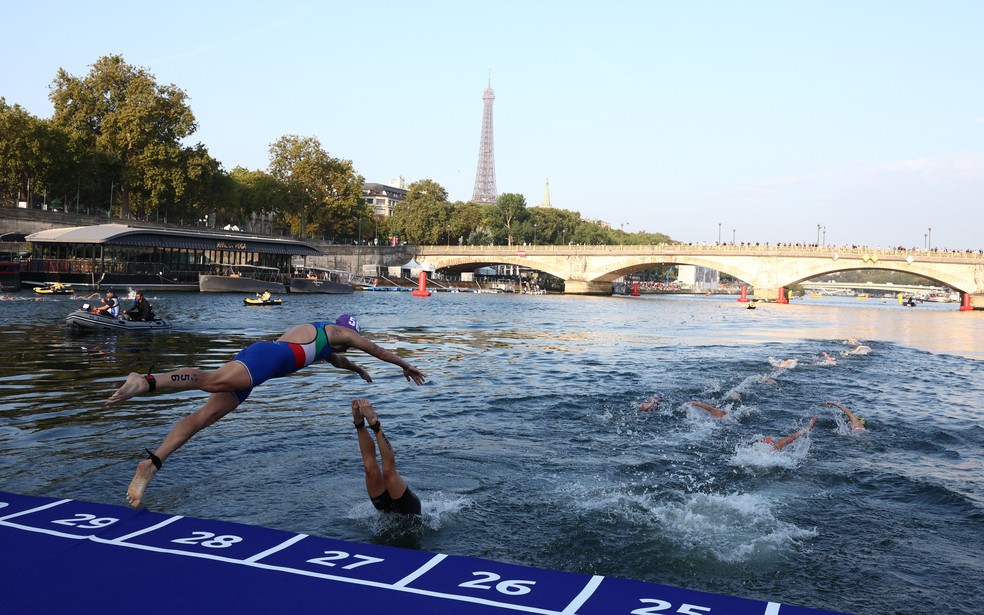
x=87 y=319
x=51 y=290
x=251 y=301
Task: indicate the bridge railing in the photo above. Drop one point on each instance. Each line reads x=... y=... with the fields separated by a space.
x=722 y=249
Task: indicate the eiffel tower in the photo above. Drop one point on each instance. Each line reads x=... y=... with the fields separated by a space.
x=485 y=175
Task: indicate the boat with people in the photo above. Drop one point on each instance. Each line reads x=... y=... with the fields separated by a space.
x=88 y=318
x=311 y=279
x=241 y=278
x=259 y=300
x=54 y=288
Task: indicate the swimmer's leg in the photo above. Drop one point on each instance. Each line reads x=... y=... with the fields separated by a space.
x=395 y=485
x=217 y=406
x=232 y=376
x=375 y=486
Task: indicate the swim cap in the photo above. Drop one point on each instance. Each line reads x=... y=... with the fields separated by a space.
x=349 y=321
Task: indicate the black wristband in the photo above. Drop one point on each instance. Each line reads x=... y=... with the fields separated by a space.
x=154 y=459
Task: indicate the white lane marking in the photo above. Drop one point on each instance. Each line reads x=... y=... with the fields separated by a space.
x=586 y=593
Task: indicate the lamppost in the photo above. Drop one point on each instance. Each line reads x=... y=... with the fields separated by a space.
x=112 y=188
x=824 y=235
x=449 y=236
x=733 y=236
x=929 y=244
x=818 y=233
x=360 y=229
x=925 y=243
x=719 y=233
x=534 y=233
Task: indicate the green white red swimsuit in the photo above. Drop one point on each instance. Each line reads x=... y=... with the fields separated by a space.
x=266 y=360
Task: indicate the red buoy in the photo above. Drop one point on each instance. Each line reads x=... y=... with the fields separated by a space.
x=965 y=306
x=744 y=294
x=421 y=286
x=782 y=296
x=635 y=289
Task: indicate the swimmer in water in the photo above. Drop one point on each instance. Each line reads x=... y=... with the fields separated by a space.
x=778 y=444
x=716 y=412
x=860 y=349
x=827 y=359
x=857 y=422
x=386 y=488
x=650 y=404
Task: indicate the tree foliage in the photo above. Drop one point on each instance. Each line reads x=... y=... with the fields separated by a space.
x=120 y=111
x=324 y=194
x=425 y=215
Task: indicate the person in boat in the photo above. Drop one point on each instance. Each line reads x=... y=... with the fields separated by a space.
x=386 y=488
x=858 y=423
x=230 y=385
x=57 y=286
x=779 y=444
x=110 y=306
x=265 y=296
x=141 y=309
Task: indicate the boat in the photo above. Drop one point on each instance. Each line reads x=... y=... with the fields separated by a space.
x=87 y=318
x=53 y=290
x=261 y=301
x=241 y=278
x=9 y=276
x=319 y=280
x=939 y=298
x=816 y=296
x=119 y=255
x=863 y=297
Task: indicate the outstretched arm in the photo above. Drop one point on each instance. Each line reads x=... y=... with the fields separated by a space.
x=716 y=412
x=342 y=362
x=793 y=437
x=357 y=341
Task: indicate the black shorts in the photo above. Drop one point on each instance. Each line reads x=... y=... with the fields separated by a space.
x=407 y=504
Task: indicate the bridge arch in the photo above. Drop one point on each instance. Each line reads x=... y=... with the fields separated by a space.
x=591 y=269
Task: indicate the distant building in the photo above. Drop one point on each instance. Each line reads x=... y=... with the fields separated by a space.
x=698 y=278
x=546 y=196
x=382 y=198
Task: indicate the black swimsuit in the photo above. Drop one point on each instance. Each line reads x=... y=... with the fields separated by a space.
x=407 y=504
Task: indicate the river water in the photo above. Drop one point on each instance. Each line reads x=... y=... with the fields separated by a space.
x=526 y=444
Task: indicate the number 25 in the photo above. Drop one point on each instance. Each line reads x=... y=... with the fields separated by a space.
x=662 y=605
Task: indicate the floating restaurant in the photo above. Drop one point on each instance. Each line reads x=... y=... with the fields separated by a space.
x=151 y=258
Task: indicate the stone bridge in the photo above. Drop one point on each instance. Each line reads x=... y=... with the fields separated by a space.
x=768 y=269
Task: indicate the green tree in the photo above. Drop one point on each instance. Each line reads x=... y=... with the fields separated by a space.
x=510 y=210
x=120 y=111
x=35 y=157
x=256 y=196
x=425 y=214
x=324 y=194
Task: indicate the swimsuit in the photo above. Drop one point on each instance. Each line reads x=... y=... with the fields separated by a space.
x=266 y=360
x=406 y=504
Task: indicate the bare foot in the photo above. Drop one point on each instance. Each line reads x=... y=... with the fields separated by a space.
x=368 y=411
x=357 y=413
x=135 y=384
x=145 y=472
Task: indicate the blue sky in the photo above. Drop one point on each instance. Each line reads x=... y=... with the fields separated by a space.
x=763 y=119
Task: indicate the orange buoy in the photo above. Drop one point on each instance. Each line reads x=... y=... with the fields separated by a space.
x=421 y=286
x=744 y=294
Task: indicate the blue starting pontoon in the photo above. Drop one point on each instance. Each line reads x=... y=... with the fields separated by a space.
x=70 y=556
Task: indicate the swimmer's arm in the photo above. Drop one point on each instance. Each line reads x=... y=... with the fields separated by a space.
x=411 y=372
x=711 y=409
x=833 y=403
x=343 y=363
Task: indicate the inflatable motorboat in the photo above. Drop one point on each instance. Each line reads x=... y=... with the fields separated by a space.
x=54 y=289
x=260 y=301
x=90 y=319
